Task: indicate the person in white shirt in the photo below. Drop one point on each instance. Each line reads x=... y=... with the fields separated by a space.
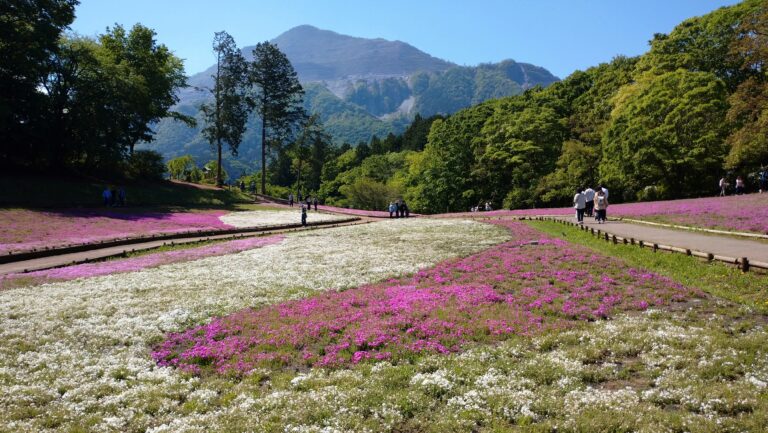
x=579 y=203
x=589 y=196
x=723 y=186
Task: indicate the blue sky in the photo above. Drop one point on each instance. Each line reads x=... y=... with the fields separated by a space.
x=560 y=35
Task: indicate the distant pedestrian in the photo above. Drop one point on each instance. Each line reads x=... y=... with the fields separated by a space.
x=290 y=199
x=579 y=203
x=314 y=201
x=763 y=179
x=398 y=208
x=601 y=206
x=723 y=186
x=391 y=209
x=299 y=200
x=309 y=202
x=739 y=186
x=242 y=186
x=121 y=196
x=589 y=196
x=107 y=196
x=303 y=215
x=405 y=211
x=605 y=191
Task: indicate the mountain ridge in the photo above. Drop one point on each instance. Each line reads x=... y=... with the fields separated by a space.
x=360 y=87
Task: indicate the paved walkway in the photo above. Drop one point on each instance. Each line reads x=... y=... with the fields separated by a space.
x=711 y=243
x=103 y=253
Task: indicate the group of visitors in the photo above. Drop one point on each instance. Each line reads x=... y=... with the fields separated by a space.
x=482 y=207
x=591 y=202
x=308 y=202
x=740 y=187
x=399 y=209
x=113 y=197
x=724 y=184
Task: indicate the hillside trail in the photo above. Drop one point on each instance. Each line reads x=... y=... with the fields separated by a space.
x=712 y=243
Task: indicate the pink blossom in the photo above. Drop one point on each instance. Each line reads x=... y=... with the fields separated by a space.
x=550 y=285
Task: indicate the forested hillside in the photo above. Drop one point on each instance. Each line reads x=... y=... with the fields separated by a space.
x=666 y=124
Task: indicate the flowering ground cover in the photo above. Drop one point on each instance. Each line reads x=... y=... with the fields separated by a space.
x=24 y=229
x=358 y=212
x=516 y=288
x=745 y=213
x=266 y=218
x=140 y=262
x=76 y=356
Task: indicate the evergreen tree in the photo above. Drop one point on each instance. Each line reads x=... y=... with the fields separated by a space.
x=225 y=118
x=279 y=98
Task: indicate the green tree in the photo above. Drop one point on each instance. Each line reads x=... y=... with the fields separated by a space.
x=148 y=77
x=181 y=168
x=666 y=132
x=226 y=117
x=748 y=111
x=29 y=36
x=279 y=101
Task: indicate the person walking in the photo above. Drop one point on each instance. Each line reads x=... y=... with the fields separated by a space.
x=589 y=196
x=121 y=196
x=763 y=179
x=303 y=215
x=391 y=209
x=107 y=196
x=290 y=199
x=723 y=186
x=601 y=206
x=579 y=202
x=398 y=208
x=739 y=186
x=309 y=202
x=314 y=201
x=405 y=211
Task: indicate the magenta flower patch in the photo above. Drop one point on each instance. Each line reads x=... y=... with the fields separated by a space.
x=146 y=261
x=523 y=287
x=27 y=229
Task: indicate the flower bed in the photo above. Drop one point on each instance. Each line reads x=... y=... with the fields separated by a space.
x=516 y=288
x=77 y=352
x=23 y=229
x=264 y=218
x=141 y=262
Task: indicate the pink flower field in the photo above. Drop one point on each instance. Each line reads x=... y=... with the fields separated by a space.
x=745 y=213
x=523 y=287
x=23 y=229
x=142 y=262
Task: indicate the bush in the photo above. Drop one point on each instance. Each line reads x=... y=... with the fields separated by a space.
x=146 y=165
x=652 y=193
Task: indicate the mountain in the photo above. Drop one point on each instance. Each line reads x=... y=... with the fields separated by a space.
x=360 y=87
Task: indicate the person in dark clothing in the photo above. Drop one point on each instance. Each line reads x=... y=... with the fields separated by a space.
x=405 y=211
x=309 y=203
x=303 y=215
x=315 y=202
x=121 y=196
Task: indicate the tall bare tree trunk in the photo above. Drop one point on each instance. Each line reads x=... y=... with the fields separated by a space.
x=263 y=155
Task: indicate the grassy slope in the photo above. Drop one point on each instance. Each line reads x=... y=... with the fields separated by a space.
x=38 y=191
x=715 y=278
